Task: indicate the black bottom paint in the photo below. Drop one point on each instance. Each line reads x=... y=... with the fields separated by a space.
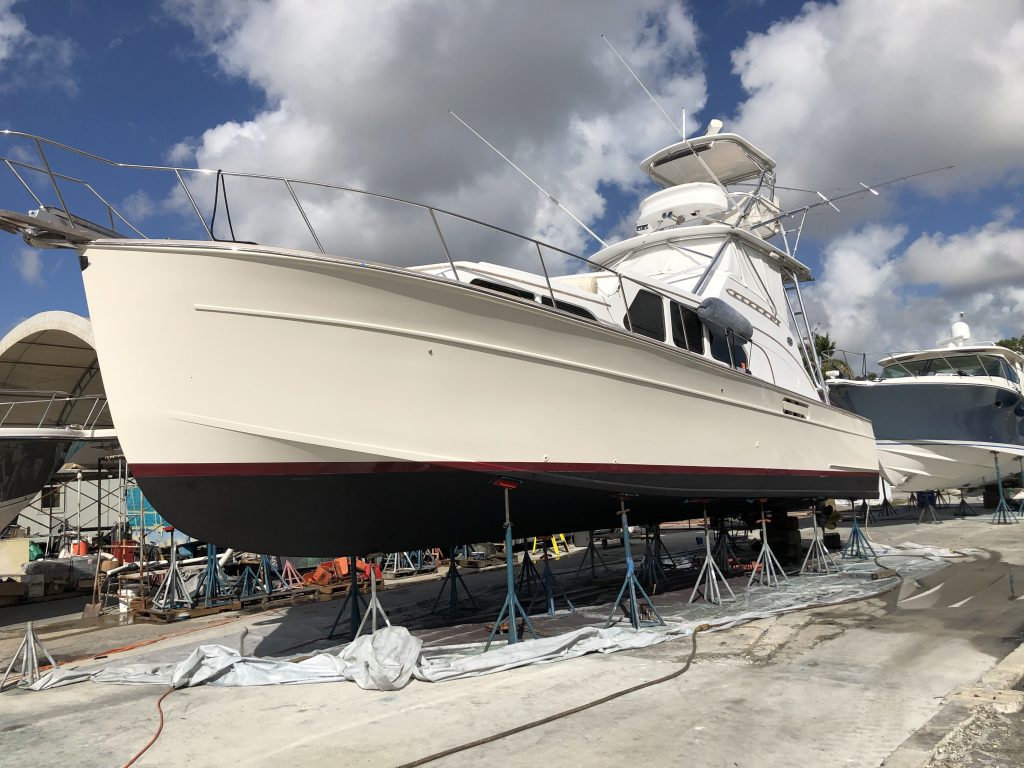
x=331 y=515
x=27 y=463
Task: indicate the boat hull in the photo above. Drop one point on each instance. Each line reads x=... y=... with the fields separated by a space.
x=933 y=434
x=276 y=400
x=27 y=462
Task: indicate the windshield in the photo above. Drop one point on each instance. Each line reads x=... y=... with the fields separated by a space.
x=962 y=365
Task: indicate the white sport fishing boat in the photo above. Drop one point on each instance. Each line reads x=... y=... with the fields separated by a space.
x=942 y=416
x=276 y=399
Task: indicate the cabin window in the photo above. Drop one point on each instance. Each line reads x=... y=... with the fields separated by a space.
x=720 y=349
x=647 y=312
x=950 y=365
x=687 y=332
x=503 y=289
x=565 y=306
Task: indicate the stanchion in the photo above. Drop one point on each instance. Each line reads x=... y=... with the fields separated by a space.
x=767 y=568
x=818 y=560
x=858 y=545
x=639 y=613
x=247 y=584
x=211 y=586
x=1003 y=513
x=887 y=509
x=528 y=575
x=710 y=575
x=28 y=652
x=511 y=608
x=267 y=573
x=352 y=601
x=172 y=593
x=927 y=500
x=723 y=552
x=552 y=589
x=374 y=609
x=593 y=555
x=963 y=509
x=451 y=582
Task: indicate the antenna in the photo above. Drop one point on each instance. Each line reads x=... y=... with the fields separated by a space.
x=681 y=132
x=830 y=201
x=526 y=176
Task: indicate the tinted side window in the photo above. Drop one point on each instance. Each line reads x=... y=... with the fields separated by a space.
x=687 y=331
x=503 y=288
x=720 y=349
x=647 y=312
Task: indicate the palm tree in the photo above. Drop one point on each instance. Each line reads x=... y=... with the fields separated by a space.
x=826 y=349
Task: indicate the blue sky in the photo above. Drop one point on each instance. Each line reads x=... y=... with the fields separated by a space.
x=358 y=93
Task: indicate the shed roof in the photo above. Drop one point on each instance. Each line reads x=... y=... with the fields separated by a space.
x=44 y=360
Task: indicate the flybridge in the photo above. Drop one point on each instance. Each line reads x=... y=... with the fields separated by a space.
x=724 y=158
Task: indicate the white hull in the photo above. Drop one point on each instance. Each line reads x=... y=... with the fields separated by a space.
x=931 y=465
x=242 y=362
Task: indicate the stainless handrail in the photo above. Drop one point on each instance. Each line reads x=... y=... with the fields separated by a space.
x=99 y=406
x=291 y=183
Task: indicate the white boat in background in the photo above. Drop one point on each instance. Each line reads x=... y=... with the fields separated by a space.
x=943 y=415
x=32 y=452
x=277 y=399
x=52 y=406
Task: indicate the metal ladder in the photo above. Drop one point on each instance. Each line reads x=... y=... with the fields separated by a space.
x=802 y=328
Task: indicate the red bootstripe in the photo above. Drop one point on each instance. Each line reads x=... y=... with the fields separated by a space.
x=247 y=469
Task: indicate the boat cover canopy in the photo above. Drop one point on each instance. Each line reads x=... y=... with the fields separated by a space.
x=730 y=157
x=52 y=352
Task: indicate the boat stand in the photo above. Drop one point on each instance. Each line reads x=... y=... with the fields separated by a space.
x=1003 y=514
x=928 y=513
x=267 y=573
x=767 y=568
x=710 y=575
x=452 y=581
x=963 y=509
x=593 y=555
x=858 y=545
x=511 y=609
x=528 y=575
x=818 y=560
x=212 y=587
x=247 y=584
x=723 y=552
x=28 y=652
x=374 y=609
x=291 y=578
x=172 y=594
x=887 y=509
x=651 y=566
x=639 y=613
x=352 y=601
x=1020 y=507
x=552 y=589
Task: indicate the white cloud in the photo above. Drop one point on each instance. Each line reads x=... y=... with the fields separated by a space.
x=992 y=255
x=867 y=90
x=874 y=296
x=30 y=266
x=30 y=59
x=358 y=93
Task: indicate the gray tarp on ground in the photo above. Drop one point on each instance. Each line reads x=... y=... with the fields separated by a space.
x=388 y=659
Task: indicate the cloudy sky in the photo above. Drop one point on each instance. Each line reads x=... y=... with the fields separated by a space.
x=358 y=93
